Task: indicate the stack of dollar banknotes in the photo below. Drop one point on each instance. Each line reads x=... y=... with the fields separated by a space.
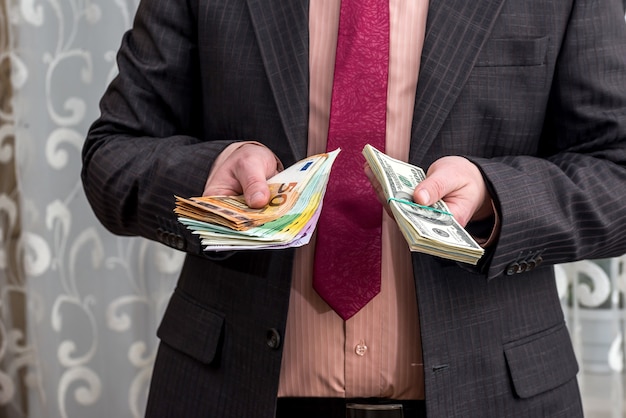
x=297 y=193
x=428 y=229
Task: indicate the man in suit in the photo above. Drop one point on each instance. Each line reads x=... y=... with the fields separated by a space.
x=519 y=114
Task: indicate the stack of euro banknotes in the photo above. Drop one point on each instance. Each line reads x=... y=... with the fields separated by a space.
x=227 y=223
x=297 y=193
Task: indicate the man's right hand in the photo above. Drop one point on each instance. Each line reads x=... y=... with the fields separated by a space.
x=243 y=169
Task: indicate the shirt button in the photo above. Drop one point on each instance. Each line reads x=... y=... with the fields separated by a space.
x=273 y=338
x=360 y=349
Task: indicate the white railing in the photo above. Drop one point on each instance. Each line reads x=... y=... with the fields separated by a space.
x=593 y=297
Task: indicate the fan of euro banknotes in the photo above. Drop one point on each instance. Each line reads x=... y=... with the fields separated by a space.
x=428 y=229
x=227 y=223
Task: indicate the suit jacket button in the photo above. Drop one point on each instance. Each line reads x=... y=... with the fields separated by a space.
x=273 y=338
x=180 y=243
x=512 y=269
x=171 y=239
x=533 y=263
x=523 y=266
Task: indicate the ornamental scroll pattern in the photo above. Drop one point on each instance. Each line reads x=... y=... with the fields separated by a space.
x=593 y=296
x=93 y=301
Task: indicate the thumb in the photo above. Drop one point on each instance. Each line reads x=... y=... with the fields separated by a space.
x=256 y=191
x=244 y=170
x=422 y=196
x=430 y=190
x=441 y=180
x=253 y=175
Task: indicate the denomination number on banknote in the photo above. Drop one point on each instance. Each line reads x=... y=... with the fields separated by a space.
x=281 y=196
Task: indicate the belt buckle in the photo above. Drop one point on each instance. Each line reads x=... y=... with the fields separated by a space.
x=361 y=410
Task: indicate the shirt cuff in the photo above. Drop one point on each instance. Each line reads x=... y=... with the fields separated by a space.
x=486 y=231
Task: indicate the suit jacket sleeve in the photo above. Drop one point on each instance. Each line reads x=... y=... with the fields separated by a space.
x=564 y=200
x=148 y=144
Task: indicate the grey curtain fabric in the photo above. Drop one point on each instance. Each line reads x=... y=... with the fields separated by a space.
x=79 y=307
x=12 y=301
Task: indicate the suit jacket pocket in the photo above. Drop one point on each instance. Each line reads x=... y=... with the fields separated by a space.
x=513 y=52
x=192 y=329
x=541 y=361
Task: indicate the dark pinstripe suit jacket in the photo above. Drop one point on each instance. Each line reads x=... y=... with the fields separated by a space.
x=532 y=91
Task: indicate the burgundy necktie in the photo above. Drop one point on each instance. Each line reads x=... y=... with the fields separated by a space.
x=348 y=249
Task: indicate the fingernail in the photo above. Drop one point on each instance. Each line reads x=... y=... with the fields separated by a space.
x=423 y=197
x=256 y=197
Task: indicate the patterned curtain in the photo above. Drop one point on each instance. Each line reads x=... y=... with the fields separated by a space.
x=79 y=307
x=12 y=297
x=593 y=301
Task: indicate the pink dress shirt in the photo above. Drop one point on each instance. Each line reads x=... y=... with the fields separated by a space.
x=377 y=352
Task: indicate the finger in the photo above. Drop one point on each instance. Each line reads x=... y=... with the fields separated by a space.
x=438 y=187
x=252 y=174
x=375 y=183
x=222 y=183
x=459 y=183
x=245 y=171
x=378 y=188
x=255 y=189
x=433 y=188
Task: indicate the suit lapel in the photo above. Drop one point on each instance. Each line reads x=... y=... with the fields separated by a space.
x=282 y=31
x=455 y=33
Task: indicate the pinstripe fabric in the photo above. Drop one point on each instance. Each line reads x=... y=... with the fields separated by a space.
x=532 y=91
x=520 y=137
